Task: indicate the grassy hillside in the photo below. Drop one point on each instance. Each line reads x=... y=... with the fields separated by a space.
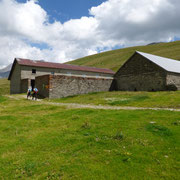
x=114 y=59
x=4 y=86
x=41 y=141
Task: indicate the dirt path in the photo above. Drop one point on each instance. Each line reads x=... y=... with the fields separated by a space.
x=85 y=106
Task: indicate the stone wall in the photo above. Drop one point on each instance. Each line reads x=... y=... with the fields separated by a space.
x=140 y=74
x=173 y=81
x=136 y=65
x=142 y=82
x=25 y=83
x=15 y=84
x=42 y=84
x=21 y=72
x=63 y=86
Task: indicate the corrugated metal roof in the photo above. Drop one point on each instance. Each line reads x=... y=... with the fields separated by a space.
x=170 y=65
x=28 y=62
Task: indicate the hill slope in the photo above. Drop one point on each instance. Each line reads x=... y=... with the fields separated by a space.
x=114 y=59
x=4 y=73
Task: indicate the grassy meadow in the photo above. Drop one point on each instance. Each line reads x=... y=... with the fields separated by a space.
x=161 y=99
x=40 y=141
x=116 y=58
x=4 y=86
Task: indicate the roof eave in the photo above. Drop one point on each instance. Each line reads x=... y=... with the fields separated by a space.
x=69 y=69
x=12 y=68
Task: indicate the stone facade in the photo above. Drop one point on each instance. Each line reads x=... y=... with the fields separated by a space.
x=24 y=84
x=140 y=74
x=15 y=84
x=173 y=81
x=57 y=86
x=23 y=76
x=42 y=84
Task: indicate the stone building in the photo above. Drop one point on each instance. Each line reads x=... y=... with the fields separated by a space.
x=146 y=72
x=56 y=80
x=141 y=72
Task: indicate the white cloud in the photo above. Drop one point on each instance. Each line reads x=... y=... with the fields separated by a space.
x=113 y=23
x=139 y=21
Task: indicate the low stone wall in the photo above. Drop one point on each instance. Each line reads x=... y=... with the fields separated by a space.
x=57 y=86
x=42 y=84
x=63 y=86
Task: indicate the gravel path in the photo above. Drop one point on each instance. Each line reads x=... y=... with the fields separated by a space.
x=80 y=106
x=85 y=106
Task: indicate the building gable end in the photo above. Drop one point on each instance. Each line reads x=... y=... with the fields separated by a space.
x=12 y=68
x=138 y=64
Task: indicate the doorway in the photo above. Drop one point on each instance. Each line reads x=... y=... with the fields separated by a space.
x=32 y=83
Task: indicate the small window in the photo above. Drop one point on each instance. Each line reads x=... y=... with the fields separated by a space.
x=33 y=71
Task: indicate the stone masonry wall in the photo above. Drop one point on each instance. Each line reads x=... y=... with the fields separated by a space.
x=63 y=86
x=15 y=83
x=25 y=85
x=140 y=74
x=42 y=84
x=136 y=65
x=173 y=81
x=142 y=82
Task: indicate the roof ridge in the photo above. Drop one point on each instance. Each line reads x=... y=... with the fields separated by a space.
x=55 y=65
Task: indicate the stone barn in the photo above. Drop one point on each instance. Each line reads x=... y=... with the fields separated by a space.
x=56 y=80
x=146 y=72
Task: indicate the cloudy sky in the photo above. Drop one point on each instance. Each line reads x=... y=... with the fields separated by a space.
x=63 y=30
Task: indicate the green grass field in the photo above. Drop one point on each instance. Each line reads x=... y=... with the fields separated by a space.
x=114 y=59
x=4 y=86
x=166 y=99
x=40 y=141
x=49 y=142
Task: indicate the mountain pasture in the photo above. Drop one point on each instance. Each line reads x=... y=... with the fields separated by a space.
x=45 y=141
x=40 y=141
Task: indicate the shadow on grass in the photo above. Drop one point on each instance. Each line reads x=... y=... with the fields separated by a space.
x=158 y=130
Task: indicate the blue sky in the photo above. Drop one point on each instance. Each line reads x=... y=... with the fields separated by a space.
x=64 y=10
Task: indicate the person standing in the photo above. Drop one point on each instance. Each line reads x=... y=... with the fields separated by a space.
x=35 y=91
x=29 y=92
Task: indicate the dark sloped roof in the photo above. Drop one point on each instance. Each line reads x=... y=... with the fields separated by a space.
x=35 y=63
